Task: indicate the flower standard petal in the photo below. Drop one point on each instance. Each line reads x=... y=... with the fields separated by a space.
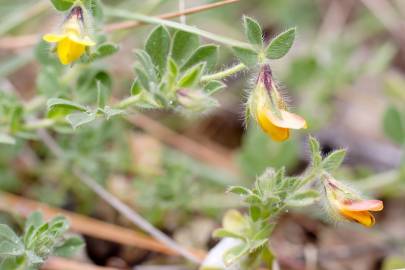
x=288 y=120
x=52 y=38
x=86 y=41
x=365 y=205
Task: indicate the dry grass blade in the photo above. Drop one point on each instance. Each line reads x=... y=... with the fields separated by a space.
x=12 y=43
x=130 y=24
x=183 y=143
x=58 y=263
x=85 y=225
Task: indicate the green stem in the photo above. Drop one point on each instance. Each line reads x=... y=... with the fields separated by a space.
x=223 y=74
x=128 y=101
x=38 y=124
x=309 y=177
x=124 y=14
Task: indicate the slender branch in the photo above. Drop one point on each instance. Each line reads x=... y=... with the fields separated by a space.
x=128 y=102
x=225 y=73
x=117 y=204
x=59 y=263
x=113 y=12
x=43 y=123
x=182 y=7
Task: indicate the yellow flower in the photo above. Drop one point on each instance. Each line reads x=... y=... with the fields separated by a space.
x=347 y=204
x=268 y=108
x=71 y=43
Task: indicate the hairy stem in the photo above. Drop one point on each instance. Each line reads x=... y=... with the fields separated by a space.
x=225 y=73
x=124 y=14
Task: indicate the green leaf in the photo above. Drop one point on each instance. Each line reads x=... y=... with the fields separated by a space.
x=223 y=233
x=184 y=44
x=172 y=74
x=206 y=53
x=102 y=94
x=394 y=125
x=268 y=257
x=304 y=198
x=239 y=190
x=110 y=112
x=158 y=47
x=6 y=139
x=315 y=151
x=258 y=244
x=213 y=86
x=147 y=63
x=7 y=234
x=77 y=119
x=333 y=160
x=143 y=78
x=192 y=76
x=96 y=9
x=105 y=50
x=58 y=225
x=62 y=5
x=69 y=247
x=35 y=219
x=8 y=248
x=63 y=103
x=235 y=253
x=16 y=119
x=246 y=56
x=253 y=199
x=136 y=87
x=253 y=31
x=281 y=44
x=15 y=263
x=254 y=212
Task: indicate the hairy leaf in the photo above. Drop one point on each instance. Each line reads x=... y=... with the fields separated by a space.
x=158 y=47
x=281 y=44
x=253 y=31
x=246 y=56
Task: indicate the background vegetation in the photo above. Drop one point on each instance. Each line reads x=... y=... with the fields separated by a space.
x=172 y=164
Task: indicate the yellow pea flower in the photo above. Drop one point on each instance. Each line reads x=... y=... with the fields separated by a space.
x=347 y=204
x=71 y=43
x=268 y=108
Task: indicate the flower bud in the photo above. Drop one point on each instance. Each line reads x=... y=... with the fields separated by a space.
x=72 y=39
x=347 y=204
x=194 y=100
x=268 y=108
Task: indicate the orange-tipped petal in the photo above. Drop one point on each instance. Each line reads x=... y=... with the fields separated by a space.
x=287 y=120
x=365 y=205
x=362 y=217
x=276 y=133
x=86 y=41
